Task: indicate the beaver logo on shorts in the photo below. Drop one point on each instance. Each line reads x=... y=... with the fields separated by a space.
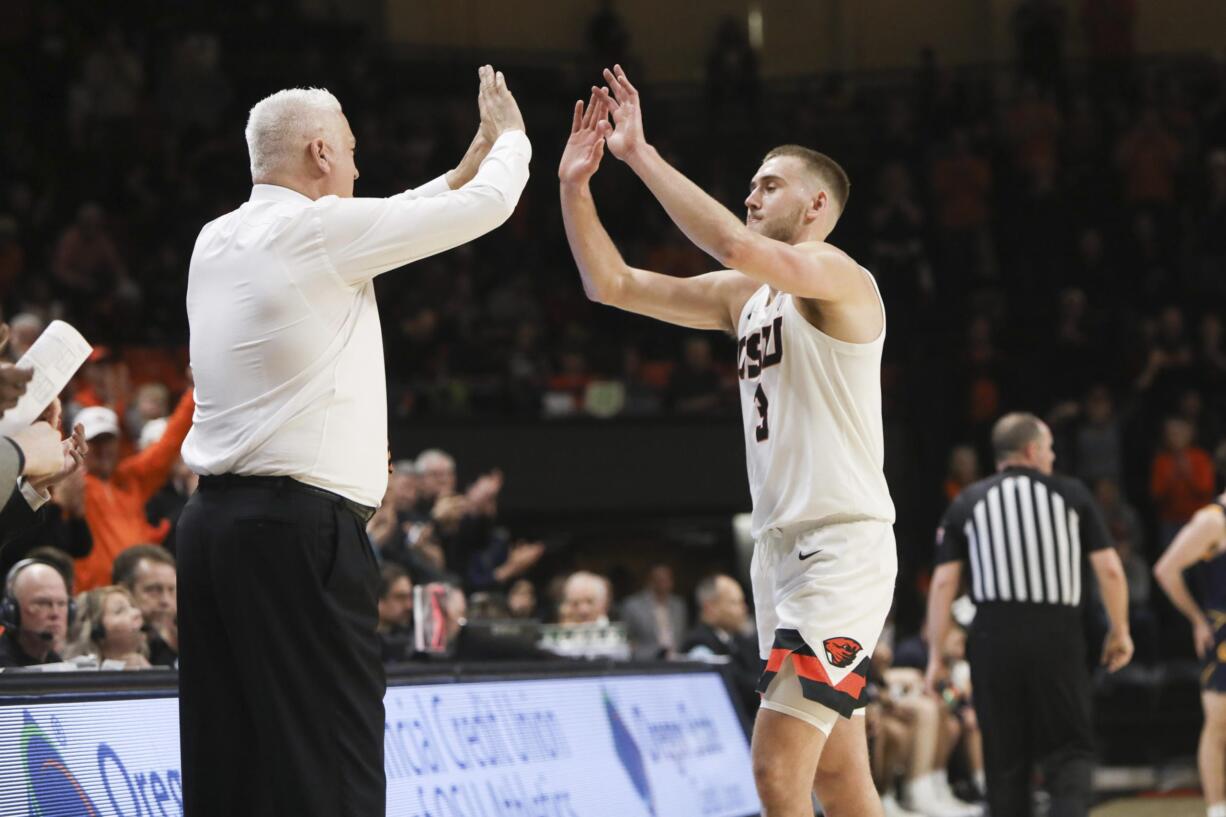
x=841 y=651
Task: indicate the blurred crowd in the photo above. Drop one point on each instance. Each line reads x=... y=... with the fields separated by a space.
x=1048 y=236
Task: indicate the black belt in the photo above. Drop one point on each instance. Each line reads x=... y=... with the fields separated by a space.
x=222 y=481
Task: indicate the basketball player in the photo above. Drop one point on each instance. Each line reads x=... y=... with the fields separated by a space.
x=810 y=327
x=1204 y=539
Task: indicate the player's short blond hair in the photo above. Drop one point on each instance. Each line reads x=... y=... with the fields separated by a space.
x=829 y=173
x=282 y=124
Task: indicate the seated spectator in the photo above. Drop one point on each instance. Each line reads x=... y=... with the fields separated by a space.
x=169 y=502
x=937 y=733
x=148 y=572
x=40 y=462
x=35 y=614
x=655 y=618
x=395 y=613
x=585 y=599
x=110 y=628
x=116 y=491
x=521 y=600
x=724 y=630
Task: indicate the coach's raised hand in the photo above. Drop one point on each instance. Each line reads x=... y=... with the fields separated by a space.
x=585 y=147
x=627 y=137
x=499 y=111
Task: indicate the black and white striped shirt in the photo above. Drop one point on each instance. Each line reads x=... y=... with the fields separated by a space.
x=1026 y=536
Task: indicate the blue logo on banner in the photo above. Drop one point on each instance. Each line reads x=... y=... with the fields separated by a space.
x=51 y=788
x=629 y=754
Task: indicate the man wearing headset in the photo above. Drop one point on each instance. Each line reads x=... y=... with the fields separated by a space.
x=35 y=614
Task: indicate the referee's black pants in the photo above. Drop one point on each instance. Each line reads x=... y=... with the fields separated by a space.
x=1032 y=699
x=280 y=679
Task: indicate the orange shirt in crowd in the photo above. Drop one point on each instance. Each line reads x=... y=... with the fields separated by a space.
x=1181 y=491
x=115 y=507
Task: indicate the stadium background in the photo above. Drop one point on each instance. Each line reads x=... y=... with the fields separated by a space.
x=1040 y=188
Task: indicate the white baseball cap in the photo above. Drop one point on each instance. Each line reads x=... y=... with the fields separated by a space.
x=98 y=420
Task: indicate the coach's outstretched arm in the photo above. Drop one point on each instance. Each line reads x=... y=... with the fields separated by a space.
x=703 y=302
x=368 y=236
x=1201 y=538
x=814 y=270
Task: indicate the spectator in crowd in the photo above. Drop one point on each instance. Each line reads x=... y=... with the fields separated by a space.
x=26 y=327
x=35 y=616
x=922 y=740
x=1123 y=521
x=521 y=600
x=110 y=629
x=87 y=267
x=436 y=479
x=725 y=632
x=655 y=618
x=481 y=547
x=963 y=470
x=402 y=488
x=117 y=490
x=395 y=613
x=585 y=599
x=961 y=183
x=1181 y=478
x=148 y=573
x=1148 y=157
x=44 y=463
x=169 y=502
x=152 y=402
x=1098 y=447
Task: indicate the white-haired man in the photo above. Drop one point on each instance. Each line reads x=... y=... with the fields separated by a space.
x=281 y=683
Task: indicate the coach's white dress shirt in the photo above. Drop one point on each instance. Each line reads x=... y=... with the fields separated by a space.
x=286 y=348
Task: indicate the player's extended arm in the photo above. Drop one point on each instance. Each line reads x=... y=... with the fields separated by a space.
x=1200 y=538
x=945 y=581
x=709 y=301
x=812 y=270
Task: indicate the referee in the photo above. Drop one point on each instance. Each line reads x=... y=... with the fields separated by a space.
x=281 y=683
x=1028 y=535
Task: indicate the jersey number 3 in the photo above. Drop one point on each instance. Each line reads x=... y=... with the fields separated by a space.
x=763 y=431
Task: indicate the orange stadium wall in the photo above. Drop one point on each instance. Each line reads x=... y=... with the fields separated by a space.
x=670 y=39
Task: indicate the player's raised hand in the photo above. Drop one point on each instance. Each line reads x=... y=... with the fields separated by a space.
x=623 y=104
x=584 y=149
x=499 y=110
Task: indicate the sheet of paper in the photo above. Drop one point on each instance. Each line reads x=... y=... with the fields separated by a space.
x=55 y=357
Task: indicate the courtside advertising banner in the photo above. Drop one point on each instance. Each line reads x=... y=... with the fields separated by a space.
x=630 y=746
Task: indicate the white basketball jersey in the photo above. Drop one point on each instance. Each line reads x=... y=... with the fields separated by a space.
x=811 y=405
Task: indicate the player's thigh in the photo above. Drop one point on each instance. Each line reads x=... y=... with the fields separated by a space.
x=784 y=750
x=844 y=781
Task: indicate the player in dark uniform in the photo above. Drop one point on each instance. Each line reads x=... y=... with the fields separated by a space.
x=1204 y=539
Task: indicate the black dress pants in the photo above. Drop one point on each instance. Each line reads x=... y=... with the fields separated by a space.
x=280 y=679
x=1032 y=699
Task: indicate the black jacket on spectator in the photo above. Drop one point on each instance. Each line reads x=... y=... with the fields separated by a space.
x=12 y=655
x=161 y=654
x=744 y=666
x=23 y=529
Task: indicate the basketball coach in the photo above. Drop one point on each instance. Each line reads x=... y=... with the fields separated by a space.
x=281 y=684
